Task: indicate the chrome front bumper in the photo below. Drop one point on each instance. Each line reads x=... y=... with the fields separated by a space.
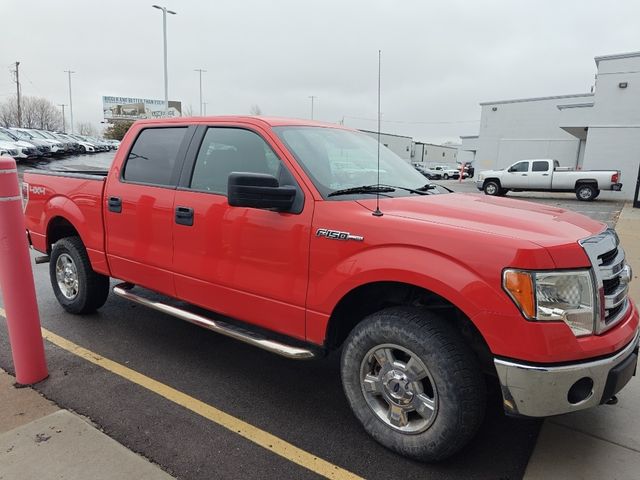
x=539 y=391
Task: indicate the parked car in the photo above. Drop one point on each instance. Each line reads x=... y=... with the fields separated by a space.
x=24 y=150
x=86 y=146
x=430 y=173
x=546 y=175
x=56 y=147
x=73 y=145
x=8 y=149
x=448 y=172
x=245 y=218
x=43 y=147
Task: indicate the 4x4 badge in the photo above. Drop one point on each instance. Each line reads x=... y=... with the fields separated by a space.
x=337 y=235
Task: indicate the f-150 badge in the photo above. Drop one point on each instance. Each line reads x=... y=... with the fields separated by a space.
x=337 y=235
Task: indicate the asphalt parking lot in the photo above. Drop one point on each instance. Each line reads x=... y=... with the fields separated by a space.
x=301 y=403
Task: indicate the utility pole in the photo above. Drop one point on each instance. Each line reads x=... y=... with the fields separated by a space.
x=200 y=71
x=17 y=70
x=64 y=124
x=166 y=74
x=70 y=100
x=312 y=97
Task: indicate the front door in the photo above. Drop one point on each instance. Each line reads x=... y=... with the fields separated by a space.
x=246 y=263
x=517 y=176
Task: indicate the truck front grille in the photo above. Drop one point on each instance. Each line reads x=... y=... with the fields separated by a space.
x=612 y=278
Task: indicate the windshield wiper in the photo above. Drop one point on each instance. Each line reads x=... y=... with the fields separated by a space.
x=363 y=189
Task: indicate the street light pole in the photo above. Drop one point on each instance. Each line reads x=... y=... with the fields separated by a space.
x=200 y=71
x=166 y=74
x=312 y=97
x=70 y=100
x=64 y=124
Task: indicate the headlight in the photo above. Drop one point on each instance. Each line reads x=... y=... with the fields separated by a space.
x=480 y=177
x=567 y=296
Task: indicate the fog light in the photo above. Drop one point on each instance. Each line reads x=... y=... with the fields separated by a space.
x=580 y=391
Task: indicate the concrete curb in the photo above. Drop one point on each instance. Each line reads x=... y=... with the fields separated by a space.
x=40 y=441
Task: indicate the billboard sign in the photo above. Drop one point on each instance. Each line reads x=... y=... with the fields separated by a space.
x=128 y=108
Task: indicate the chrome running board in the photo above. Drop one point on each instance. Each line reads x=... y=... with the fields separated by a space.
x=124 y=290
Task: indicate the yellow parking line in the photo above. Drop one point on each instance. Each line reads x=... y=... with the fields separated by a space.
x=242 y=428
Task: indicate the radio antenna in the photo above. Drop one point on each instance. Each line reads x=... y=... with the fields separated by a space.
x=377 y=212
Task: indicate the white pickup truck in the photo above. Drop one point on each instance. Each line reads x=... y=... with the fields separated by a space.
x=546 y=175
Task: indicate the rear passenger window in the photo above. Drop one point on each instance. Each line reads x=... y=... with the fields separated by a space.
x=153 y=156
x=540 y=166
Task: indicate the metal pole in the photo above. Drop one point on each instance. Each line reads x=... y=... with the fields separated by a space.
x=200 y=71
x=64 y=125
x=18 y=93
x=312 y=97
x=70 y=100
x=166 y=71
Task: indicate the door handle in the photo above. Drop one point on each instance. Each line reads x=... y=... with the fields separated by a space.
x=184 y=216
x=524 y=174
x=545 y=174
x=115 y=204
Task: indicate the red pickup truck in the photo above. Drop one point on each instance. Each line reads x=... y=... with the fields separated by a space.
x=302 y=238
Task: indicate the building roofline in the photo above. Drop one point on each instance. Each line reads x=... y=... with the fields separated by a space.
x=383 y=133
x=616 y=56
x=537 y=99
x=454 y=147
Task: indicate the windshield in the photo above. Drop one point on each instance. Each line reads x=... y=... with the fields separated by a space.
x=5 y=137
x=337 y=159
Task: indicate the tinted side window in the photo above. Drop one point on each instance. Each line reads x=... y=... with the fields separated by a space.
x=540 y=166
x=520 y=167
x=153 y=156
x=226 y=150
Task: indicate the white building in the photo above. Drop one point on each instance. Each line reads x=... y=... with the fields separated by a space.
x=598 y=130
x=431 y=154
x=398 y=144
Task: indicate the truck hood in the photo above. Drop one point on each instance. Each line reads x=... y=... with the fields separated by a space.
x=541 y=224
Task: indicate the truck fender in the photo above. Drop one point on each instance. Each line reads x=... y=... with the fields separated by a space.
x=64 y=208
x=432 y=271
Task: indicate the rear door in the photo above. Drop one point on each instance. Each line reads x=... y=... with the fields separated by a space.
x=517 y=176
x=247 y=263
x=540 y=174
x=138 y=208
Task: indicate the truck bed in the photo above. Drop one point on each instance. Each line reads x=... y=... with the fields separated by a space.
x=75 y=195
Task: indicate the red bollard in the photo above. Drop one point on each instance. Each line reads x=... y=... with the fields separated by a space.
x=16 y=282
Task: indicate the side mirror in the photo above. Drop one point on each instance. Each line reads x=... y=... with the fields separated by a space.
x=258 y=190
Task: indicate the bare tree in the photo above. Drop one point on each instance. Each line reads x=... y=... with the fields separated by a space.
x=255 y=109
x=37 y=112
x=86 y=128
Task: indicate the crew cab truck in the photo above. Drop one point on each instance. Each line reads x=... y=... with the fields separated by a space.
x=545 y=175
x=254 y=222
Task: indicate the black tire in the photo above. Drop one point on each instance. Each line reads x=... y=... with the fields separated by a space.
x=91 y=289
x=454 y=380
x=587 y=192
x=445 y=176
x=492 y=187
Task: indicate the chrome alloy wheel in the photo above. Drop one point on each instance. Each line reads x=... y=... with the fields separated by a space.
x=67 y=276
x=491 y=189
x=585 y=193
x=399 y=388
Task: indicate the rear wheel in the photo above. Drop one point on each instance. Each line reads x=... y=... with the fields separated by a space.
x=413 y=383
x=78 y=288
x=587 y=192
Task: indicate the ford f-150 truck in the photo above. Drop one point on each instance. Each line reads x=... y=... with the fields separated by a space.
x=546 y=175
x=302 y=238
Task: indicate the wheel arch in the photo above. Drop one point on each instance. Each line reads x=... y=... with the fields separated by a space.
x=588 y=181
x=59 y=227
x=368 y=298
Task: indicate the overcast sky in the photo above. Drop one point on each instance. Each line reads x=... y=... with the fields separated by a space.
x=439 y=59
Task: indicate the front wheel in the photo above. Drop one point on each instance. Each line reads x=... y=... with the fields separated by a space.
x=413 y=383
x=493 y=188
x=445 y=176
x=586 y=192
x=78 y=288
